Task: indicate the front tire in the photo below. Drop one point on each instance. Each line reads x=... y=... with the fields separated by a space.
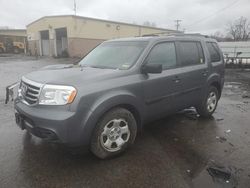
x=209 y=103
x=114 y=133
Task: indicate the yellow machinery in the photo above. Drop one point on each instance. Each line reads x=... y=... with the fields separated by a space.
x=2 y=48
x=12 y=47
x=18 y=47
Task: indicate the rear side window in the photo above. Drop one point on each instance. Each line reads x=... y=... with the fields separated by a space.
x=163 y=53
x=191 y=53
x=213 y=51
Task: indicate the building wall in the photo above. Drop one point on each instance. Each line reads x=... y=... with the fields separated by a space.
x=80 y=47
x=85 y=33
x=95 y=29
x=33 y=47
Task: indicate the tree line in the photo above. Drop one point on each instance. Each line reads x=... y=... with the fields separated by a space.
x=238 y=30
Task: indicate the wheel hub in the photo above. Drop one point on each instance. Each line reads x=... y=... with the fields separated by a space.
x=211 y=101
x=115 y=134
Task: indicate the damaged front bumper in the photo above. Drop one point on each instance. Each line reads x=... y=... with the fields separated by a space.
x=11 y=92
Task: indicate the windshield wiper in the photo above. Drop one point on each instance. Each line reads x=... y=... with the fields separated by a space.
x=97 y=66
x=101 y=67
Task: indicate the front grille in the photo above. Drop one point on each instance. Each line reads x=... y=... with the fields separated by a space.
x=30 y=91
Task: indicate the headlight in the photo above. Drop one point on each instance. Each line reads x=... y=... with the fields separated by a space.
x=57 y=95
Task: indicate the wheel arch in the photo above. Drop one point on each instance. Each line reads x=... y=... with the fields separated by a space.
x=107 y=103
x=215 y=80
x=217 y=86
x=131 y=108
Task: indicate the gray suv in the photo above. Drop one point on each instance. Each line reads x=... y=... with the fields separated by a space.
x=104 y=100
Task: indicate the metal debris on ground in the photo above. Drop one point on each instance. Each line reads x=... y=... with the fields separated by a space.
x=220 y=174
x=190 y=113
x=221 y=139
x=228 y=131
x=245 y=94
x=219 y=119
x=230 y=144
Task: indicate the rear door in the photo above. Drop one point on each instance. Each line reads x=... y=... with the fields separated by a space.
x=193 y=72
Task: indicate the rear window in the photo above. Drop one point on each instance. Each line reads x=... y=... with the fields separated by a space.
x=191 y=53
x=213 y=51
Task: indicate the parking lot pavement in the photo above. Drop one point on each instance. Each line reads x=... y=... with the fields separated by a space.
x=182 y=150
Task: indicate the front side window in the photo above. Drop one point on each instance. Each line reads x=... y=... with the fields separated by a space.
x=163 y=53
x=191 y=53
x=213 y=51
x=114 y=55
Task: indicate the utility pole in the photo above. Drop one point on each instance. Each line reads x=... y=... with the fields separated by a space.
x=75 y=7
x=177 y=24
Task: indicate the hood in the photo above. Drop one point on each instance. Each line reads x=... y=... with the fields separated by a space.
x=60 y=66
x=73 y=75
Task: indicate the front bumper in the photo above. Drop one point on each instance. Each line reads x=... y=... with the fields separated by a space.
x=52 y=123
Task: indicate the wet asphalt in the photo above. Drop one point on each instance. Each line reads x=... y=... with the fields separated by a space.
x=181 y=150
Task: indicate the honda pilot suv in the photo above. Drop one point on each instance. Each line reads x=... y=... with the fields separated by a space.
x=105 y=99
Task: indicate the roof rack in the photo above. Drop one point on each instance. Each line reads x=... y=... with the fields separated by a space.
x=175 y=34
x=150 y=35
x=191 y=34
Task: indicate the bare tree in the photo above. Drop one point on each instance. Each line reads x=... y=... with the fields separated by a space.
x=239 y=30
x=218 y=36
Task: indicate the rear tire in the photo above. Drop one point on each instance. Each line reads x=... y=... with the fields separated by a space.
x=209 y=103
x=114 y=133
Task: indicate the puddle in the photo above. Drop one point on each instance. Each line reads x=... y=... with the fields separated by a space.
x=232 y=85
x=217 y=177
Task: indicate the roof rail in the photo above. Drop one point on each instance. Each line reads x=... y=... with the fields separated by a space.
x=150 y=35
x=175 y=34
x=191 y=34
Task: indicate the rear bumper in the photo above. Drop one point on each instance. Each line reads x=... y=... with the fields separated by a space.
x=52 y=123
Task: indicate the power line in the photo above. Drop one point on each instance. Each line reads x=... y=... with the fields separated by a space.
x=215 y=13
x=177 y=24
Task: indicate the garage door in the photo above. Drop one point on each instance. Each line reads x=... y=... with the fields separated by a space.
x=45 y=47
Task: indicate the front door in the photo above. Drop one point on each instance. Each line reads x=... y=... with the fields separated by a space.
x=161 y=90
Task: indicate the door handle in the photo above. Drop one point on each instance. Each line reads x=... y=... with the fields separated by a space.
x=176 y=79
x=205 y=73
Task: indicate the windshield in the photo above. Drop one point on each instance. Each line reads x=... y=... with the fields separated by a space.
x=114 y=55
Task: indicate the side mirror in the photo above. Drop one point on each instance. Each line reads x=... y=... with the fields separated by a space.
x=152 y=68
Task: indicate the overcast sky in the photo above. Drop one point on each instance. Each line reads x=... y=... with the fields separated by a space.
x=205 y=16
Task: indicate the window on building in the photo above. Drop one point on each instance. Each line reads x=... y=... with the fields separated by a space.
x=163 y=53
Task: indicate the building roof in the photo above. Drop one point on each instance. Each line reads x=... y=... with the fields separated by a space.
x=15 y=32
x=102 y=20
